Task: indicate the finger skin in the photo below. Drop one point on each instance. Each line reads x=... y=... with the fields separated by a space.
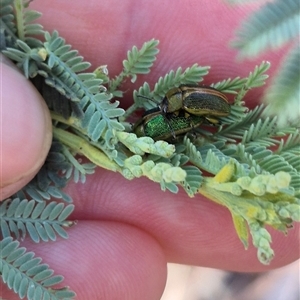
x=103 y=32
x=25 y=136
x=106 y=257
x=194 y=231
x=105 y=260
x=190 y=230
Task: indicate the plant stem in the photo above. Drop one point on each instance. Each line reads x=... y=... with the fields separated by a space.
x=79 y=145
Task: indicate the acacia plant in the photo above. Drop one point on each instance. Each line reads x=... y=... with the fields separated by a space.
x=251 y=165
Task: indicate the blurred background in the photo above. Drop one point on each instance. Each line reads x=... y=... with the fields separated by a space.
x=197 y=283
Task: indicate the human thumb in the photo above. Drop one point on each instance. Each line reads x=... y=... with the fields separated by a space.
x=25 y=130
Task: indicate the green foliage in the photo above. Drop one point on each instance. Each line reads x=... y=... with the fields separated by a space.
x=193 y=179
x=40 y=221
x=229 y=85
x=138 y=62
x=60 y=166
x=7 y=24
x=256 y=200
x=271 y=27
x=25 y=28
x=27 y=276
x=191 y=75
x=284 y=94
x=251 y=163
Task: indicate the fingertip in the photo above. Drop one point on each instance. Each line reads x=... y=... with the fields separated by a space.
x=106 y=260
x=25 y=130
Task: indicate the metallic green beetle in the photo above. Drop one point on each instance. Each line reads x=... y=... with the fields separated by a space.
x=158 y=127
x=195 y=100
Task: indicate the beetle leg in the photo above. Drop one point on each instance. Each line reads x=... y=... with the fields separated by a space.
x=212 y=121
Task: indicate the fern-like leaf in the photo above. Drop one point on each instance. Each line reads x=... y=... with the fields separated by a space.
x=99 y=113
x=25 y=28
x=291 y=145
x=230 y=85
x=139 y=61
x=283 y=96
x=261 y=132
x=272 y=26
x=7 y=24
x=27 y=276
x=27 y=59
x=192 y=75
x=38 y=220
x=236 y=130
x=207 y=157
x=39 y=194
x=193 y=180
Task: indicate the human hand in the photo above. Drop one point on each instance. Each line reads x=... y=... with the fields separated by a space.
x=128 y=230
